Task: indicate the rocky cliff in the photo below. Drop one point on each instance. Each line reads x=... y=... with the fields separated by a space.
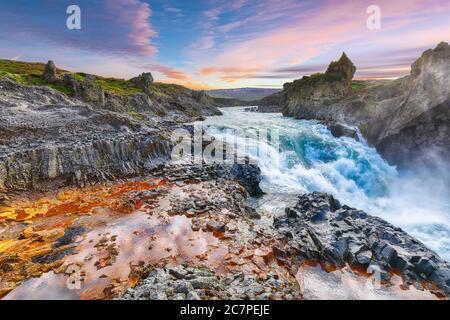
x=140 y=97
x=304 y=96
x=410 y=111
x=47 y=137
x=59 y=128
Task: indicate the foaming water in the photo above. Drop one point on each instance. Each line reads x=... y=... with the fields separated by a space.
x=310 y=159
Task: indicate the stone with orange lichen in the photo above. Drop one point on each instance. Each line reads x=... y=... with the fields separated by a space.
x=27 y=233
x=143 y=234
x=6 y=244
x=259 y=262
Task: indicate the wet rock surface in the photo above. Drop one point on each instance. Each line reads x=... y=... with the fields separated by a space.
x=302 y=97
x=320 y=228
x=187 y=283
x=112 y=233
x=341 y=130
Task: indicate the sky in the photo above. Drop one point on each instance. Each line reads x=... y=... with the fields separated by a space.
x=208 y=44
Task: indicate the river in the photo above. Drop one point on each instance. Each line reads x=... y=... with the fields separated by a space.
x=308 y=158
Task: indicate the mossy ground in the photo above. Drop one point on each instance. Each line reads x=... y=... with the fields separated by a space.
x=30 y=73
x=358 y=85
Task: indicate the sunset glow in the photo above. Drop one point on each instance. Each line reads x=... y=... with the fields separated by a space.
x=218 y=44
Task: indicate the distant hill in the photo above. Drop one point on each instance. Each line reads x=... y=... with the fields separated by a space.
x=246 y=94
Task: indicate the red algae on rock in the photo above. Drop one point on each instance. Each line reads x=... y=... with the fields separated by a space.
x=105 y=238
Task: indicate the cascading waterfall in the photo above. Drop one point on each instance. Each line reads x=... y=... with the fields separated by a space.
x=310 y=158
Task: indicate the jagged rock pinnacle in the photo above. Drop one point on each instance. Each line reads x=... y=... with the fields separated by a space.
x=343 y=67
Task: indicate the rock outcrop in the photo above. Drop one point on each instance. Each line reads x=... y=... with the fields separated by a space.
x=90 y=93
x=386 y=112
x=320 y=229
x=304 y=96
x=47 y=137
x=50 y=72
x=143 y=81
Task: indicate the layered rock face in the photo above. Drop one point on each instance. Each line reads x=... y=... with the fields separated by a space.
x=425 y=140
x=410 y=111
x=304 y=96
x=181 y=103
x=319 y=228
x=47 y=137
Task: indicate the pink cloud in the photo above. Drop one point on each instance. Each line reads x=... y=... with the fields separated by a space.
x=135 y=14
x=171 y=73
x=320 y=32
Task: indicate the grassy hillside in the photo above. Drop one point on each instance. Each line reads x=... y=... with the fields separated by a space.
x=30 y=73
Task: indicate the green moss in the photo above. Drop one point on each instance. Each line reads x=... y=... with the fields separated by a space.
x=358 y=85
x=25 y=68
x=30 y=73
x=12 y=76
x=320 y=77
x=135 y=115
x=160 y=89
x=117 y=86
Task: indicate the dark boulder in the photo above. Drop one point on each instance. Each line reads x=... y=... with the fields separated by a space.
x=344 y=235
x=143 y=81
x=50 y=72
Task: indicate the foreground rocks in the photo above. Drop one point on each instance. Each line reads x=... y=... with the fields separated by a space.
x=117 y=233
x=320 y=229
x=187 y=283
x=187 y=232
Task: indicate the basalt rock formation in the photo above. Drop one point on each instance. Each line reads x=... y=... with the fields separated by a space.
x=50 y=139
x=47 y=137
x=320 y=228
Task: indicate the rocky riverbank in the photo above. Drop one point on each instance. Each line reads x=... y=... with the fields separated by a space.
x=91 y=208
x=405 y=119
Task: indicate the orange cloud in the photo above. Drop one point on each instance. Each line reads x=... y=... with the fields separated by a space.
x=171 y=73
x=208 y=71
x=321 y=32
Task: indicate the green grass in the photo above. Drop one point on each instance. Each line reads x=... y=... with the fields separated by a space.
x=117 y=86
x=160 y=89
x=30 y=73
x=136 y=115
x=358 y=85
